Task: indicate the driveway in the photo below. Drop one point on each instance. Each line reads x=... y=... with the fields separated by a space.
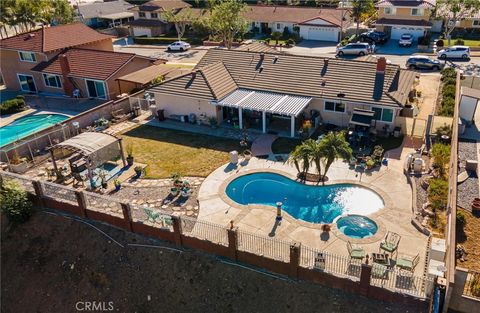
x=314 y=47
x=392 y=48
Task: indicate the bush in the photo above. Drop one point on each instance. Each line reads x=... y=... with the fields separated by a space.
x=424 y=40
x=450 y=80
x=286 y=32
x=448 y=105
x=14 y=202
x=290 y=42
x=459 y=42
x=449 y=91
x=440 y=43
x=441 y=156
x=460 y=219
x=437 y=193
x=13 y=105
x=448 y=72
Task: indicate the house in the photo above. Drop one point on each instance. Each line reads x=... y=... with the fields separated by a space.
x=470 y=23
x=274 y=92
x=62 y=58
x=312 y=23
x=397 y=17
x=104 y=14
x=148 y=20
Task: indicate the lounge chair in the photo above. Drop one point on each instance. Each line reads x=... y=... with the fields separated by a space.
x=390 y=243
x=355 y=252
x=408 y=262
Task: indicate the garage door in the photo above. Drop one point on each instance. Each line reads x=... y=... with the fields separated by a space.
x=322 y=33
x=137 y=31
x=397 y=32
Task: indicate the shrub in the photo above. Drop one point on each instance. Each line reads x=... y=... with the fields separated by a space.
x=448 y=72
x=290 y=42
x=13 y=106
x=441 y=156
x=14 y=202
x=448 y=105
x=459 y=42
x=449 y=91
x=449 y=80
x=440 y=43
x=286 y=32
x=460 y=219
x=437 y=193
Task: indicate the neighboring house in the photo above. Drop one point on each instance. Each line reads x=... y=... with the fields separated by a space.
x=313 y=23
x=398 y=17
x=148 y=20
x=276 y=93
x=105 y=14
x=31 y=61
x=471 y=22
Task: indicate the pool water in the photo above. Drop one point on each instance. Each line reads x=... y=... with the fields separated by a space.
x=357 y=226
x=28 y=125
x=315 y=204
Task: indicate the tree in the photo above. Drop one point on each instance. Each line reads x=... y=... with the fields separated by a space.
x=226 y=20
x=14 y=201
x=180 y=19
x=362 y=10
x=276 y=36
x=454 y=11
x=332 y=147
x=441 y=157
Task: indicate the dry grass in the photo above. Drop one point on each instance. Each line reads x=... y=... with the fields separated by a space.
x=470 y=240
x=169 y=151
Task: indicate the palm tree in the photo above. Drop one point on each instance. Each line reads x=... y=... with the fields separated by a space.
x=314 y=154
x=300 y=156
x=306 y=154
x=332 y=147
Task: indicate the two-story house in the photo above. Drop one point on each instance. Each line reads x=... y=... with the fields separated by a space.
x=71 y=59
x=398 y=17
x=148 y=20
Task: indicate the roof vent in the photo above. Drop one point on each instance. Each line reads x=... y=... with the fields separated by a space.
x=262 y=56
x=275 y=59
x=325 y=62
x=194 y=74
x=260 y=69
x=31 y=35
x=341 y=94
x=324 y=82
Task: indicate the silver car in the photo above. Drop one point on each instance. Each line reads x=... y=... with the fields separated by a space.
x=359 y=48
x=406 y=40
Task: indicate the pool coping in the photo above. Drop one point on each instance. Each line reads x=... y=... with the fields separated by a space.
x=381 y=231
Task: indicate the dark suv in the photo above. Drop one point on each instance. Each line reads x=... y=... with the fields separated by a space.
x=373 y=37
x=423 y=62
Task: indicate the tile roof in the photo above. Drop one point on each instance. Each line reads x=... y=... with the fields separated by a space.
x=162 y=5
x=146 y=75
x=407 y=3
x=218 y=79
x=257 y=46
x=98 y=9
x=84 y=63
x=53 y=38
x=145 y=23
x=392 y=21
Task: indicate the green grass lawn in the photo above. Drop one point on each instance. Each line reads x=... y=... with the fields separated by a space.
x=389 y=143
x=285 y=145
x=472 y=43
x=169 y=151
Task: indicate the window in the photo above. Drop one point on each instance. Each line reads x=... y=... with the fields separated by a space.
x=279 y=26
x=153 y=15
x=476 y=22
x=52 y=80
x=96 y=89
x=27 y=83
x=417 y=12
x=141 y=14
x=389 y=11
x=27 y=56
x=334 y=106
x=384 y=115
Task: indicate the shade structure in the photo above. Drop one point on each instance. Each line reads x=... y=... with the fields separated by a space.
x=271 y=102
x=362 y=117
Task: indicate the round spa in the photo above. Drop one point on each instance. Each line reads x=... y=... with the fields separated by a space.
x=357 y=226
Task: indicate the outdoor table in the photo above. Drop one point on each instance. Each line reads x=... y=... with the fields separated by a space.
x=380 y=258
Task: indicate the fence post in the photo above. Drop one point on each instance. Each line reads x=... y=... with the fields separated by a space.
x=38 y=187
x=127 y=215
x=82 y=203
x=294 y=259
x=233 y=242
x=177 y=230
x=365 y=275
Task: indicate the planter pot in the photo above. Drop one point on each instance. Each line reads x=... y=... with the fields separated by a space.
x=130 y=160
x=104 y=185
x=117 y=187
x=19 y=168
x=185 y=193
x=138 y=174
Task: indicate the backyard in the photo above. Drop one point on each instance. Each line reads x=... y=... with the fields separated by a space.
x=468 y=236
x=169 y=151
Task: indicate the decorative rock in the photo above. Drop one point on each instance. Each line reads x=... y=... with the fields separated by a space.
x=176 y=208
x=164 y=206
x=189 y=213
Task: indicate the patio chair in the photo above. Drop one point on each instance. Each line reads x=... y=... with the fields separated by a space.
x=355 y=252
x=379 y=270
x=78 y=179
x=390 y=243
x=408 y=262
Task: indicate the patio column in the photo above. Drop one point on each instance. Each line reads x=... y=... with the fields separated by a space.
x=264 y=121
x=240 y=118
x=121 y=152
x=292 y=126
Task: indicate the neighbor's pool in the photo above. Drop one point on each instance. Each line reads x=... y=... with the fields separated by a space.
x=357 y=226
x=315 y=204
x=28 y=125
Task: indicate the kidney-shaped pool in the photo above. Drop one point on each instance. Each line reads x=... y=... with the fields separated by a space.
x=314 y=204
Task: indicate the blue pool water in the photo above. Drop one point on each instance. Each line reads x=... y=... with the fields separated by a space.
x=357 y=226
x=27 y=125
x=315 y=204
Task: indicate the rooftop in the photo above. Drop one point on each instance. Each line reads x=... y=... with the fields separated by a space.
x=161 y=5
x=407 y=3
x=146 y=75
x=102 y=9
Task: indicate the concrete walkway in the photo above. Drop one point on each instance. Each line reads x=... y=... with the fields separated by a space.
x=263 y=145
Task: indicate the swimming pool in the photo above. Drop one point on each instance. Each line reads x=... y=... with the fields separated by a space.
x=357 y=226
x=315 y=204
x=28 y=125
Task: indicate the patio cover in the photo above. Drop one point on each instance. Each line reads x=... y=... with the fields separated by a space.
x=266 y=102
x=362 y=117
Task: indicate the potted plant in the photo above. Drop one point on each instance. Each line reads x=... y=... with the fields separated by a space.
x=118 y=184
x=17 y=164
x=103 y=178
x=138 y=171
x=130 y=154
x=247 y=154
x=174 y=191
x=177 y=180
x=370 y=163
x=212 y=121
x=185 y=190
x=326 y=228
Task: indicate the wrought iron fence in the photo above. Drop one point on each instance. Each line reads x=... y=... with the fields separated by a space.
x=157 y=217
x=271 y=248
x=23 y=181
x=330 y=263
x=59 y=192
x=401 y=281
x=472 y=285
x=204 y=230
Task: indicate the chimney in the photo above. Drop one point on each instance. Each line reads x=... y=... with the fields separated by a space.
x=65 y=68
x=381 y=65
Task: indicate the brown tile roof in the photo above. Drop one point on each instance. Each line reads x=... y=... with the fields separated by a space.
x=84 y=63
x=146 y=75
x=407 y=3
x=145 y=23
x=53 y=38
x=162 y=5
x=392 y=21
x=257 y=46
x=218 y=79
x=292 y=14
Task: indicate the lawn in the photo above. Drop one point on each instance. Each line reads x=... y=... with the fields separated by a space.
x=471 y=42
x=169 y=151
x=389 y=143
x=469 y=238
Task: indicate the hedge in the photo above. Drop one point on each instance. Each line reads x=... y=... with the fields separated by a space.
x=13 y=105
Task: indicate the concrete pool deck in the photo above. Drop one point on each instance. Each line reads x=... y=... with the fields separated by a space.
x=389 y=182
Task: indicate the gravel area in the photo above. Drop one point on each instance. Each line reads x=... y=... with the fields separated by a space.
x=466 y=191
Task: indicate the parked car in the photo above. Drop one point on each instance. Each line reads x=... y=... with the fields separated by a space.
x=373 y=37
x=454 y=52
x=423 y=62
x=359 y=48
x=405 y=40
x=179 y=46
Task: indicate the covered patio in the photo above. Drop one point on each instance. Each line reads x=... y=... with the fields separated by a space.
x=266 y=111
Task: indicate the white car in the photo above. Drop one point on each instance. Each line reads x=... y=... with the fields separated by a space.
x=359 y=48
x=458 y=52
x=406 y=40
x=179 y=46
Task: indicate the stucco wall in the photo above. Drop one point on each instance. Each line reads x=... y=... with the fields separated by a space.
x=177 y=105
x=404 y=13
x=11 y=65
x=133 y=66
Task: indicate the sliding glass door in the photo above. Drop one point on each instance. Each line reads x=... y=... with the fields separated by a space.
x=96 y=89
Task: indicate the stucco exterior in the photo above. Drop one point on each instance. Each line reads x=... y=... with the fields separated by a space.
x=179 y=105
x=404 y=13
